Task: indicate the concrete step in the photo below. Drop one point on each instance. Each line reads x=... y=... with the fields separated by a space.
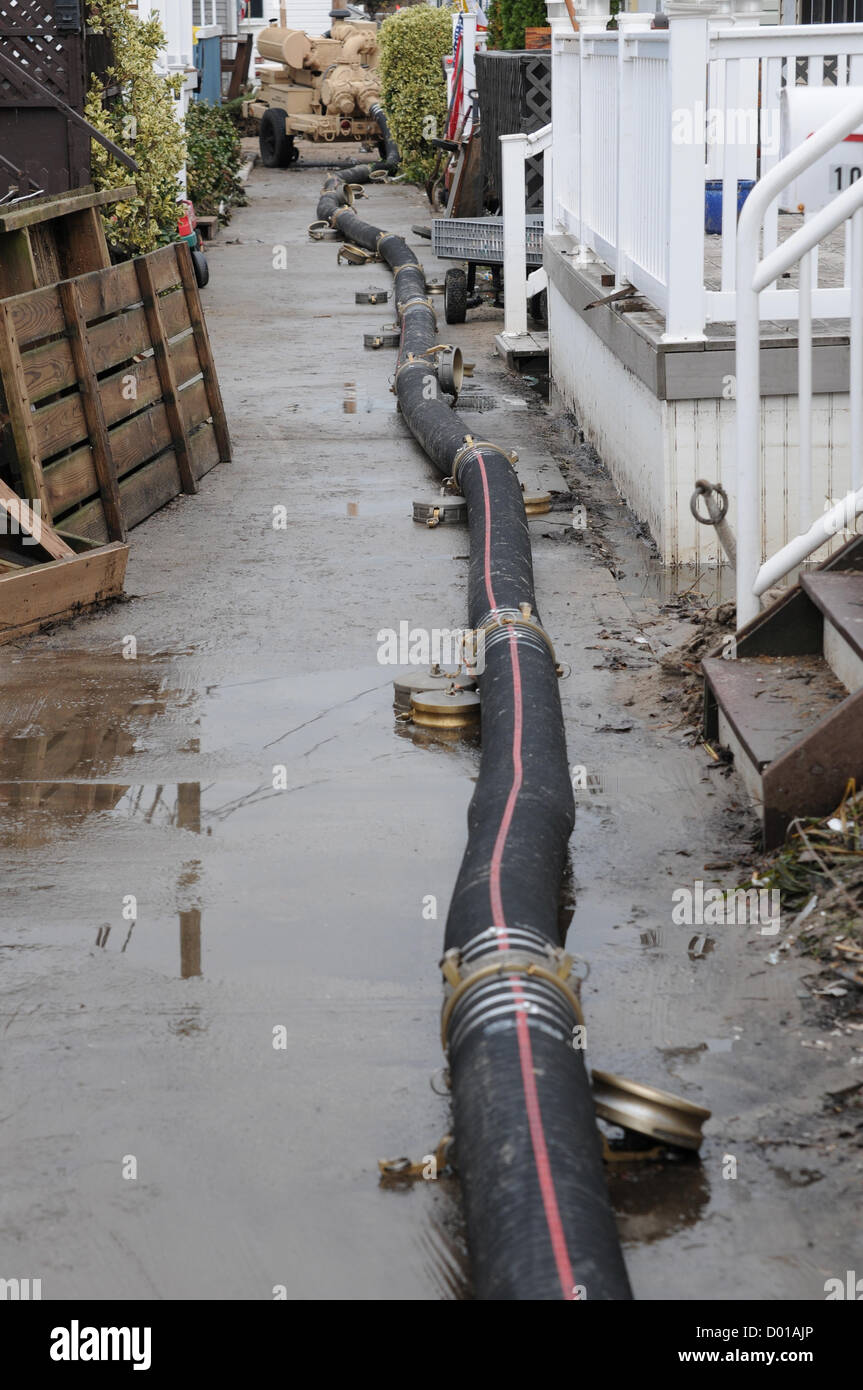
x=838 y=594
x=791 y=726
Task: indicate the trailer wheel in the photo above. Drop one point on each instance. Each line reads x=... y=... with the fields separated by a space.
x=202 y=268
x=275 y=144
x=455 y=296
x=437 y=194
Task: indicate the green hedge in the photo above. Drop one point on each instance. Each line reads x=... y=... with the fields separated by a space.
x=141 y=121
x=508 y=20
x=413 y=42
x=213 y=162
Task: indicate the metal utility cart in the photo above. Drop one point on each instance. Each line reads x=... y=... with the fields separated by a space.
x=477 y=241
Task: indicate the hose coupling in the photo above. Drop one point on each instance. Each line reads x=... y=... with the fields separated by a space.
x=322 y=231
x=407 y=265
x=503 y=972
x=411 y=360
x=519 y=623
x=414 y=303
x=471 y=448
x=355 y=255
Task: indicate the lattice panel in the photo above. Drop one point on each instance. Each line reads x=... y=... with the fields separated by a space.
x=30 y=38
x=514 y=96
x=40 y=38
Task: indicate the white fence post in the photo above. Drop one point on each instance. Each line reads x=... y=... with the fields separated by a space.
x=468 y=40
x=688 y=53
x=512 y=156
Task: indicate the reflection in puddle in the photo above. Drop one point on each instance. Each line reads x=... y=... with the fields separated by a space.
x=179 y=807
x=653 y=1201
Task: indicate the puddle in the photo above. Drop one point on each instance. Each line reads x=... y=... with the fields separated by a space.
x=655 y=1201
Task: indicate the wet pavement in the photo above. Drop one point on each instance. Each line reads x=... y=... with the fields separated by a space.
x=219 y=989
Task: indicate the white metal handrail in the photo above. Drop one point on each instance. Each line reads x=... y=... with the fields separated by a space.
x=514 y=150
x=753 y=275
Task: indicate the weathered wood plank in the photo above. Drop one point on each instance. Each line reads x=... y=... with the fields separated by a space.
x=43 y=594
x=91 y=403
x=17 y=267
x=205 y=450
x=60 y=205
x=72 y=479
x=20 y=416
x=195 y=404
x=81 y=243
x=61 y=424
x=141 y=494
x=36 y=315
x=46 y=255
x=205 y=354
x=49 y=368
x=165 y=369
x=165 y=268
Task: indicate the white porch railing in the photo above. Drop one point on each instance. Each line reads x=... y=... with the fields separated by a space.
x=514 y=150
x=755 y=272
x=643 y=117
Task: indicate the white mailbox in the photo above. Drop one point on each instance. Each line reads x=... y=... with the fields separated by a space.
x=804 y=109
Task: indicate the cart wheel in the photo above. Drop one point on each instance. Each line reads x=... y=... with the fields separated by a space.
x=275 y=143
x=202 y=269
x=455 y=296
x=437 y=196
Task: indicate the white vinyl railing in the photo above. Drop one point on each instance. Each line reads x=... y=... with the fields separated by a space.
x=643 y=117
x=755 y=271
x=514 y=150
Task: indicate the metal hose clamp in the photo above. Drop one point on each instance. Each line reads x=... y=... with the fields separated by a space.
x=465 y=974
x=473 y=446
x=414 y=303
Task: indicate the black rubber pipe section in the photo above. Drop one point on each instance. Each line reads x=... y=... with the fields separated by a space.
x=392 y=158
x=527 y=1148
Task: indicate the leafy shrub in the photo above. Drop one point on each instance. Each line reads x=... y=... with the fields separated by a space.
x=213 y=160
x=141 y=121
x=508 y=20
x=495 y=25
x=413 y=42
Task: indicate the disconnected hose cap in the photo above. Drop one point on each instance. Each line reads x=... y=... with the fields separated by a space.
x=450 y=369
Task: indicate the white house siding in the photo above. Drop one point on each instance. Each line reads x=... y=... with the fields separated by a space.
x=656 y=449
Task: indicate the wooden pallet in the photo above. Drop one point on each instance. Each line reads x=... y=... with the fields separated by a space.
x=48 y=239
x=43 y=594
x=111 y=394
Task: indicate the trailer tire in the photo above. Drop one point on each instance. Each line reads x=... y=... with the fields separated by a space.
x=275 y=144
x=455 y=296
x=202 y=269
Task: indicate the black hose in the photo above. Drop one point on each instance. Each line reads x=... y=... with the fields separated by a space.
x=391 y=158
x=528 y=1154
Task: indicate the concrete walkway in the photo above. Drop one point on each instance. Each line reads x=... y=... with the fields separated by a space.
x=244 y=781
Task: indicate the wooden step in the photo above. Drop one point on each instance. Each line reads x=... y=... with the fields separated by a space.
x=838 y=594
x=795 y=731
x=771 y=702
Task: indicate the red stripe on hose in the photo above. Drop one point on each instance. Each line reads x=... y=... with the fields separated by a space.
x=525 y=1051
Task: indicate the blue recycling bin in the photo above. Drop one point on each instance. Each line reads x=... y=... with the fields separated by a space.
x=713 y=202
